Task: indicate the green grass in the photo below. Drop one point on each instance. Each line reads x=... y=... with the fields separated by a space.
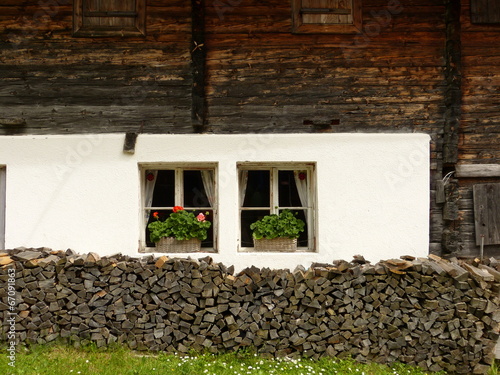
x=55 y=360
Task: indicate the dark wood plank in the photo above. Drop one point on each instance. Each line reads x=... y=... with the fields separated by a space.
x=485 y=11
x=453 y=93
x=487 y=213
x=198 y=65
x=3 y=186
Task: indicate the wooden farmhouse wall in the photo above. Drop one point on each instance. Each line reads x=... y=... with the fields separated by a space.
x=478 y=157
x=417 y=66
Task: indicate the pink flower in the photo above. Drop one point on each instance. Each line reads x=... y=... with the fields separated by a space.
x=200 y=217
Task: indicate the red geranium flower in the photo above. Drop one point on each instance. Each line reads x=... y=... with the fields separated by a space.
x=156 y=215
x=178 y=208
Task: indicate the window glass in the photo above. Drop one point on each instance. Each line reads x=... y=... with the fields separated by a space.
x=257 y=189
x=288 y=194
x=303 y=240
x=164 y=189
x=247 y=218
x=194 y=190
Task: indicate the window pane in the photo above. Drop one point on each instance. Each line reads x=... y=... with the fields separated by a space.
x=209 y=242
x=257 y=191
x=288 y=194
x=327 y=11
x=164 y=192
x=302 y=241
x=248 y=217
x=163 y=214
x=194 y=191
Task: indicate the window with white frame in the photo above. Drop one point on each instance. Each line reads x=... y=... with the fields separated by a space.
x=191 y=186
x=269 y=189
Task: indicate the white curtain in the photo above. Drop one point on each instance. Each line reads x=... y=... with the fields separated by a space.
x=302 y=187
x=243 y=178
x=148 y=192
x=208 y=178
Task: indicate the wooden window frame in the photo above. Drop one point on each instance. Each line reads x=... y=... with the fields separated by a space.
x=81 y=30
x=274 y=207
x=298 y=27
x=178 y=199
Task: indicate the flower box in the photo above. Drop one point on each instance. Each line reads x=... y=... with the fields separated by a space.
x=276 y=244
x=172 y=245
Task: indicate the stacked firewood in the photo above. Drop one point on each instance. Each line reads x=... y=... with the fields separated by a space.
x=433 y=313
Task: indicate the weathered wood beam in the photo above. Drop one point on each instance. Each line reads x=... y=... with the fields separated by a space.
x=453 y=72
x=198 y=63
x=478 y=170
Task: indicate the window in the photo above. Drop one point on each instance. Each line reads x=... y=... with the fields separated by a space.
x=485 y=11
x=109 y=17
x=192 y=187
x=268 y=189
x=326 y=16
x=2 y=207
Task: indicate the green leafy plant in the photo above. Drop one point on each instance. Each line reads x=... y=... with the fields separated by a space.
x=286 y=224
x=181 y=224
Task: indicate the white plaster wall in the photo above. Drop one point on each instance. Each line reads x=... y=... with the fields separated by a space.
x=82 y=192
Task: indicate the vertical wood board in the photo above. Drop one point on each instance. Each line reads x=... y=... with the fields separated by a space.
x=487 y=213
x=485 y=11
x=198 y=65
x=3 y=185
x=497 y=349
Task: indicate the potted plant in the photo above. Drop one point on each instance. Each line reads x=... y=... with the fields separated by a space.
x=277 y=232
x=181 y=232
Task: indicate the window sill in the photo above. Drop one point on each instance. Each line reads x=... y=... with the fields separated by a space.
x=326 y=29
x=251 y=250
x=153 y=250
x=93 y=32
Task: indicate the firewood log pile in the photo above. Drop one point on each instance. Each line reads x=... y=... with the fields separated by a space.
x=429 y=312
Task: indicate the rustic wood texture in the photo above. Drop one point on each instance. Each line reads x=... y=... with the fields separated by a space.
x=55 y=83
x=478 y=170
x=480 y=127
x=109 y=17
x=3 y=186
x=479 y=133
x=487 y=213
x=467 y=223
x=260 y=77
x=430 y=313
x=485 y=11
x=453 y=74
x=198 y=66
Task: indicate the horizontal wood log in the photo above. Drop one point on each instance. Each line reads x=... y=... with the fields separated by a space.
x=478 y=170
